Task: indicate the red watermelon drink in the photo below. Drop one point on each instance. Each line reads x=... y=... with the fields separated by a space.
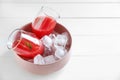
x=43 y=25
x=25 y=44
x=45 y=22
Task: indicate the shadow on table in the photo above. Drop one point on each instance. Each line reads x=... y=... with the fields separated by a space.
x=10 y=70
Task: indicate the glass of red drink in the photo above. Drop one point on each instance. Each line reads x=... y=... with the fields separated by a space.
x=45 y=21
x=25 y=44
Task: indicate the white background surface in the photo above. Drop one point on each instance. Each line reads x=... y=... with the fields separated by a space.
x=95 y=29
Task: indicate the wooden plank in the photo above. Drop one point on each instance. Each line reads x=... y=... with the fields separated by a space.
x=65 y=10
x=86 y=27
x=84 y=68
x=96 y=45
x=54 y=1
x=93 y=68
x=80 y=27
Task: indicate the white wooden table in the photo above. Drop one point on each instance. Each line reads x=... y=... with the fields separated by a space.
x=95 y=29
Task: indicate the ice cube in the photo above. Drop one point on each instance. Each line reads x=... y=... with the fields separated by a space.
x=60 y=52
x=49 y=59
x=39 y=60
x=66 y=36
x=60 y=40
x=47 y=51
x=52 y=36
x=47 y=41
x=58 y=47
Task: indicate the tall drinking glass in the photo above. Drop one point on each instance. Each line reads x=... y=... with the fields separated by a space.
x=45 y=21
x=25 y=44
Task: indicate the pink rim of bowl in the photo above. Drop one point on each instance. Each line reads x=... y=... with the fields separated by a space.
x=47 y=68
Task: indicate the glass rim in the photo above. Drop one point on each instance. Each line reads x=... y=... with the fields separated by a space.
x=9 y=45
x=49 y=9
